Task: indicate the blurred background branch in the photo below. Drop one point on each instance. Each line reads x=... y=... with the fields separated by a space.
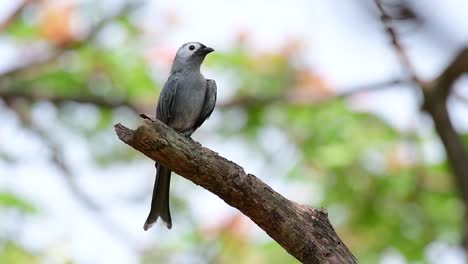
x=106 y=222
x=309 y=98
x=14 y=15
x=65 y=46
x=435 y=102
x=31 y=97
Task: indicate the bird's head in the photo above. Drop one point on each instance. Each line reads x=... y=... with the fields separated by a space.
x=190 y=55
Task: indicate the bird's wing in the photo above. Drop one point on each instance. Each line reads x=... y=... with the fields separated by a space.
x=166 y=101
x=208 y=105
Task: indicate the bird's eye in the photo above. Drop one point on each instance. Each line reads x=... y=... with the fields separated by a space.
x=192 y=47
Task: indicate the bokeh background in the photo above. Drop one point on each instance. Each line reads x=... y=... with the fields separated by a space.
x=311 y=98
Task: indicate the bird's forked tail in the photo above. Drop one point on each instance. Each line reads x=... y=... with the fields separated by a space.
x=160 y=200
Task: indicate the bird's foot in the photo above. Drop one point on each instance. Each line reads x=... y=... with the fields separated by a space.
x=188 y=136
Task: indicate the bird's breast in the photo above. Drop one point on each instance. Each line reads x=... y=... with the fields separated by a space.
x=188 y=103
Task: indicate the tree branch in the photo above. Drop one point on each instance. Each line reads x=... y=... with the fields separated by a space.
x=296 y=98
x=452 y=72
x=106 y=222
x=57 y=52
x=396 y=43
x=435 y=103
x=14 y=14
x=292 y=98
x=304 y=232
x=33 y=96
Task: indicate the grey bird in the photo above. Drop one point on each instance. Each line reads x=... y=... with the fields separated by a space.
x=186 y=101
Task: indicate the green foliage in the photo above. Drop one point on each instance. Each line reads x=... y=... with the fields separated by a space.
x=11 y=201
x=262 y=75
x=342 y=136
x=23 y=30
x=129 y=79
x=13 y=254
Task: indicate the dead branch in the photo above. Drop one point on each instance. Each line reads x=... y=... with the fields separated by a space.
x=304 y=232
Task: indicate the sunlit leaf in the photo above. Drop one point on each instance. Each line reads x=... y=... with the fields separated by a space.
x=10 y=200
x=13 y=254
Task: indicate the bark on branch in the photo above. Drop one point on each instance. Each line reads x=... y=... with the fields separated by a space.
x=304 y=232
x=454 y=70
x=435 y=103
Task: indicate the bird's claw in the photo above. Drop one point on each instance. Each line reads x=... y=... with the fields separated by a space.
x=188 y=136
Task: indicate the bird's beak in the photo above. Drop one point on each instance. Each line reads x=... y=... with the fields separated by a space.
x=208 y=50
x=205 y=50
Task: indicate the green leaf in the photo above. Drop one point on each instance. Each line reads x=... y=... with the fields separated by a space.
x=10 y=253
x=10 y=200
x=22 y=29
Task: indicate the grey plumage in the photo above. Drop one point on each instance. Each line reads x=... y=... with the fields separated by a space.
x=186 y=101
